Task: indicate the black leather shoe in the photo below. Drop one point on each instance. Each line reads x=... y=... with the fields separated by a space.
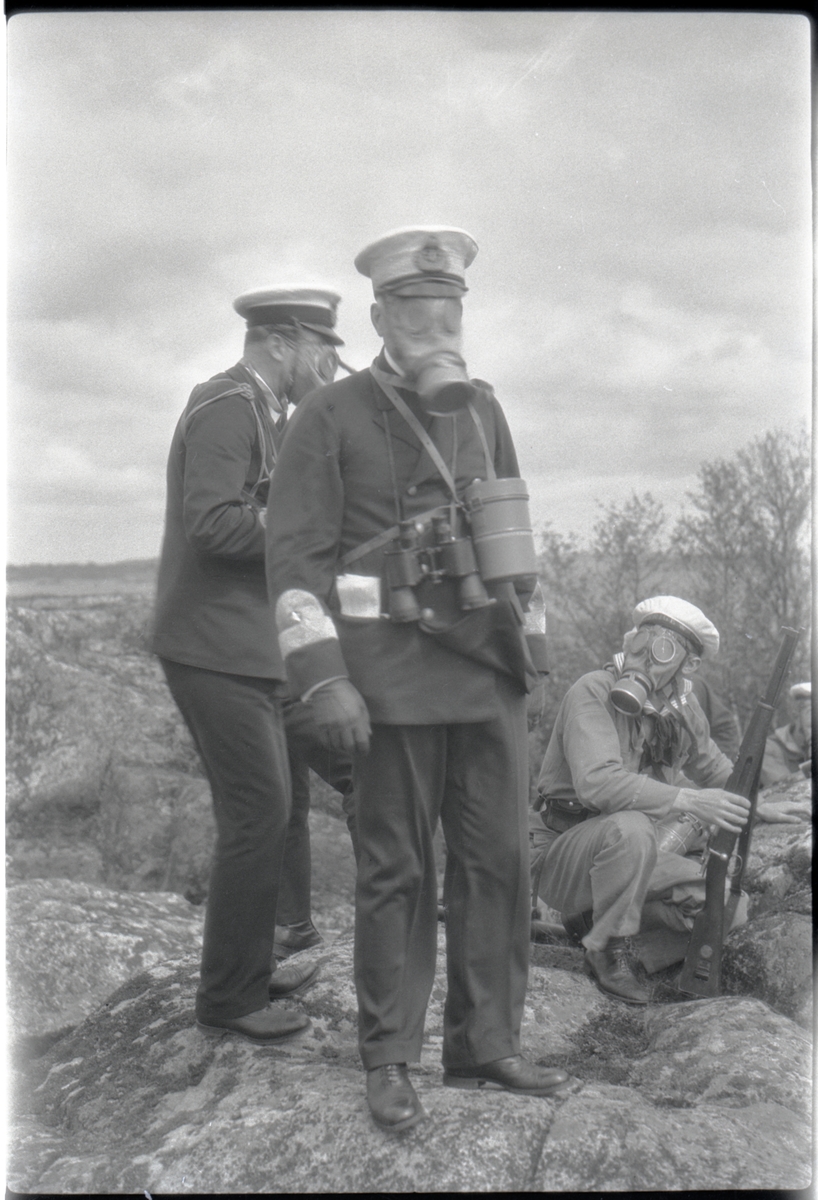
x=392 y=1100
x=289 y=939
x=514 y=1074
x=297 y=977
x=614 y=974
x=265 y=1027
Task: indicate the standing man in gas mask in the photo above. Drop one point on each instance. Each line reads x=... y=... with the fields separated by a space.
x=418 y=663
x=614 y=790
x=216 y=641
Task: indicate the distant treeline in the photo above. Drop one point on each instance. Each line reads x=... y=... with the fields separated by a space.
x=142 y=567
x=740 y=551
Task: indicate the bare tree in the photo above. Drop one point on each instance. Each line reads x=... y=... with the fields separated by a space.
x=591 y=591
x=596 y=589
x=745 y=543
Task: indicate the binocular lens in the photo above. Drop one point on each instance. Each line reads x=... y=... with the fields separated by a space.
x=471 y=593
x=403 y=605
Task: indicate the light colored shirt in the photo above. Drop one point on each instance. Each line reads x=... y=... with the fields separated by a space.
x=594 y=754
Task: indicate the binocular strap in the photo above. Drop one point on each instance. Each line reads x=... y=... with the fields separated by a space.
x=423 y=437
x=388 y=535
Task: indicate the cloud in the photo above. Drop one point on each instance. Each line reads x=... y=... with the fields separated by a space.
x=638 y=184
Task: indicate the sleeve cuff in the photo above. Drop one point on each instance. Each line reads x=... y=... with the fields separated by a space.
x=310 y=692
x=312 y=665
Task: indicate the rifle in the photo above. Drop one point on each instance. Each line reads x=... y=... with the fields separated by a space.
x=701 y=972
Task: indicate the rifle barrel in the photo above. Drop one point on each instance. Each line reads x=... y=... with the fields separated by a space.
x=701 y=972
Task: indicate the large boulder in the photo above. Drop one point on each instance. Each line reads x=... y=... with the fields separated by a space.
x=95 y=745
x=686 y=1097
x=69 y=945
x=771 y=957
x=778 y=873
x=103 y=782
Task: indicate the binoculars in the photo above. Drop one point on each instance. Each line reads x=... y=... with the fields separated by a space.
x=449 y=556
x=500 y=549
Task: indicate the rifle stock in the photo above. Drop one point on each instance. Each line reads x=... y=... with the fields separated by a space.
x=701 y=972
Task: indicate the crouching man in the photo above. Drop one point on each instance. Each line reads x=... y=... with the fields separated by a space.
x=616 y=817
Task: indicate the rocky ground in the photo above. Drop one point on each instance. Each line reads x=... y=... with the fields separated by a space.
x=711 y=1094
x=108 y=842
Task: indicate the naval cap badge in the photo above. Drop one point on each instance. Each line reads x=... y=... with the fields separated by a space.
x=431 y=256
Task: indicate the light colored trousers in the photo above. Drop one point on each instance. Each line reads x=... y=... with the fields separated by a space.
x=610 y=866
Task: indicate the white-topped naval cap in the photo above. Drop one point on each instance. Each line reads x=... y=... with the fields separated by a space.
x=419 y=260
x=801 y=691
x=314 y=308
x=684 y=617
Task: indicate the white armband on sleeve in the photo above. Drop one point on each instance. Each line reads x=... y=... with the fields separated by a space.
x=301 y=622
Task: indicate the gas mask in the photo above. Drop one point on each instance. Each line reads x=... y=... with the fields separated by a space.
x=314 y=365
x=652 y=657
x=423 y=334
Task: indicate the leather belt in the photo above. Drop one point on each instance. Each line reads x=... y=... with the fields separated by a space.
x=561 y=815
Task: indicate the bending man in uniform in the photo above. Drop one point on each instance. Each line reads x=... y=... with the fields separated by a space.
x=372 y=631
x=215 y=638
x=615 y=786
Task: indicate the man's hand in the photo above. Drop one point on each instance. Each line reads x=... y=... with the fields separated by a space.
x=341 y=716
x=783 y=810
x=714 y=806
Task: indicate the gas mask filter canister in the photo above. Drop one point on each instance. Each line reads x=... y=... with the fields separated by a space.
x=426 y=330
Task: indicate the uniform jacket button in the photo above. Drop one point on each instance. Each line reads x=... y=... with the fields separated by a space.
x=411 y=491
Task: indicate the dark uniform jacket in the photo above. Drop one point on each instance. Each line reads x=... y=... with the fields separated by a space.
x=211 y=606
x=333 y=490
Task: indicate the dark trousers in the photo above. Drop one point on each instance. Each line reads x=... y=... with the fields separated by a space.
x=237 y=725
x=307 y=752
x=475 y=778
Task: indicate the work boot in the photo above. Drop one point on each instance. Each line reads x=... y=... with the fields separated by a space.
x=392 y=1100
x=289 y=939
x=614 y=974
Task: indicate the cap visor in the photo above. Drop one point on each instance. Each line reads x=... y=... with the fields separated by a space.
x=326 y=333
x=432 y=288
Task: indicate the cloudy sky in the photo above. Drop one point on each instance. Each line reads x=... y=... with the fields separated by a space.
x=638 y=185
